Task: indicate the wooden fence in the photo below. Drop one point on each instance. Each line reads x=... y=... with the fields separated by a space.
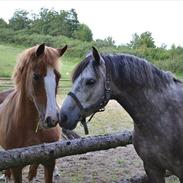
x=44 y=152
x=7 y=83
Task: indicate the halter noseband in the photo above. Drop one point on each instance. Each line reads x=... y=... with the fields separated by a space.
x=99 y=105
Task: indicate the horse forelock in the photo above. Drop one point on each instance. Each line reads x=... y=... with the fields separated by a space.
x=83 y=64
x=80 y=67
x=28 y=59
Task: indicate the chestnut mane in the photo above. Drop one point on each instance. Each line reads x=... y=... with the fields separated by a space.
x=28 y=59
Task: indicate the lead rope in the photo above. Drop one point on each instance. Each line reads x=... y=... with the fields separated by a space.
x=37 y=126
x=84 y=122
x=85 y=126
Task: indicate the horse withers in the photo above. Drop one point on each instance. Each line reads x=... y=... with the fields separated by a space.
x=29 y=114
x=152 y=97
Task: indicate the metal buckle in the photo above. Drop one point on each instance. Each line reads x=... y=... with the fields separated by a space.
x=102 y=109
x=107 y=85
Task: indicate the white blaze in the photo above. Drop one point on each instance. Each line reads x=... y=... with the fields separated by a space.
x=50 y=86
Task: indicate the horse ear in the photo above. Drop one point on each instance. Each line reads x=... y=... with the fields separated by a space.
x=96 y=55
x=61 y=51
x=40 y=50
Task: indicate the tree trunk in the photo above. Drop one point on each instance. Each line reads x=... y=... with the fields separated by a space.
x=44 y=152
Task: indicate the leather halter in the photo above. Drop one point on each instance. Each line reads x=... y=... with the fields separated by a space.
x=99 y=105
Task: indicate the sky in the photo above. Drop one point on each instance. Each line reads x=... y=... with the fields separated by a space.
x=119 y=19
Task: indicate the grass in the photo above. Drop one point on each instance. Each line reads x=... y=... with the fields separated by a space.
x=179 y=75
x=67 y=65
x=8 y=59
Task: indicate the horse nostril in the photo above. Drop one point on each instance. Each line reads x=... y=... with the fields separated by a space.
x=63 y=118
x=58 y=116
x=48 y=121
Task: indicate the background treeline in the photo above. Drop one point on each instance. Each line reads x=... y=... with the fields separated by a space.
x=57 y=28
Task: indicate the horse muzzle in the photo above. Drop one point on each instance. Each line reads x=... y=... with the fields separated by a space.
x=49 y=122
x=65 y=123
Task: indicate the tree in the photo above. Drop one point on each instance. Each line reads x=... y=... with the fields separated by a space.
x=109 y=41
x=55 y=23
x=19 y=20
x=163 y=46
x=83 y=33
x=145 y=40
x=72 y=22
x=44 y=21
x=3 y=24
x=134 y=43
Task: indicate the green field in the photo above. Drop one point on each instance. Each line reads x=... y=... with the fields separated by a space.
x=9 y=55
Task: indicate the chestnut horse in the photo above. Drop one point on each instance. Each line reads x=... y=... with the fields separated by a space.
x=31 y=107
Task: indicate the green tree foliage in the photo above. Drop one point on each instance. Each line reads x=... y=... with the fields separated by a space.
x=72 y=22
x=83 y=33
x=145 y=40
x=3 y=23
x=19 y=20
x=55 y=23
x=47 y=22
x=107 y=42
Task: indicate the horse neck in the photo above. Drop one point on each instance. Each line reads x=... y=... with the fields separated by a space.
x=140 y=102
x=26 y=112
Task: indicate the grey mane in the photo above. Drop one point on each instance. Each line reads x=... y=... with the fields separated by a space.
x=138 y=72
x=132 y=71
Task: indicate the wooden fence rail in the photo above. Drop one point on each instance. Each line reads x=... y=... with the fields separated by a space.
x=44 y=152
x=6 y=82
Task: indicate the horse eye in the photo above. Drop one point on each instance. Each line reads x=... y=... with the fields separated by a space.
x=36 y=76
x=90 y=82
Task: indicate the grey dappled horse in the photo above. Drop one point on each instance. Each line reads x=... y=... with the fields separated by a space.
x=152 y=97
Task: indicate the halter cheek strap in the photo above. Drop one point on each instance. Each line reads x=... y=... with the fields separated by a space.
x=76 y=100
x=98 y=106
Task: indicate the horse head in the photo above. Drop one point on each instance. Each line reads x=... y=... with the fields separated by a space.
x=88 y=93
x=36 y=77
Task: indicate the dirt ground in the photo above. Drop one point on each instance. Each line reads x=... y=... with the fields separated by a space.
x=97 y=167
x=110 y=166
